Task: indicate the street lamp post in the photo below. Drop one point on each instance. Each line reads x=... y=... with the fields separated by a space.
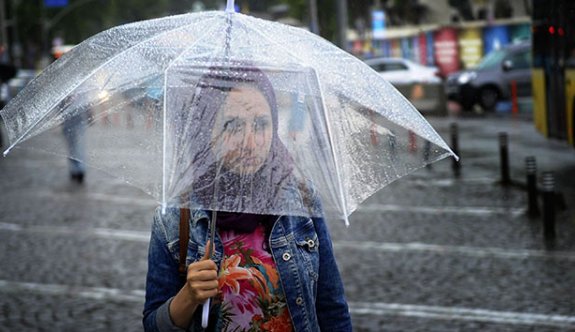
x=3 y=25
x=314 y=24
x=9 y=38
x=342 y=23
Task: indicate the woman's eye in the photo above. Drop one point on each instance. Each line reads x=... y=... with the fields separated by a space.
x=233 y=126
x=261 y=124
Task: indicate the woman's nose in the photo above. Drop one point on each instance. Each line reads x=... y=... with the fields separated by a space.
x=250 y=140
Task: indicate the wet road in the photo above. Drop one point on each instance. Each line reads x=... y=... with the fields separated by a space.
x=431 y=252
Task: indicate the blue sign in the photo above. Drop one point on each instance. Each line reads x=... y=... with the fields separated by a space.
x=55 y=3
x=378 y=24
x=495 y=38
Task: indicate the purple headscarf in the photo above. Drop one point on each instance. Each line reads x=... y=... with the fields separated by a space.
x=211 y=185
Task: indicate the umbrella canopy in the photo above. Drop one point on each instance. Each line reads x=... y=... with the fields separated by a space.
x=153 y=92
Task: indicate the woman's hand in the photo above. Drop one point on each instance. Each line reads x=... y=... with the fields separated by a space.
x=202 y=279
x=201 y=284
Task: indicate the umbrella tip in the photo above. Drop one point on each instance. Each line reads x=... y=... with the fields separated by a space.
x=230 y=6
x=5 y=153
x=456 y=157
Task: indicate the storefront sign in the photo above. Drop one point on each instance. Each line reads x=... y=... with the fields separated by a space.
x=446 y=51
x=470 y=47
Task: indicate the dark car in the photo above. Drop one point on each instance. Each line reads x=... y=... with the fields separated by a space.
x=7 y=72
x=491 y=81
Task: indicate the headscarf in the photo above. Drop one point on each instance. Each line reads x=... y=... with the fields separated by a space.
x=212 y=186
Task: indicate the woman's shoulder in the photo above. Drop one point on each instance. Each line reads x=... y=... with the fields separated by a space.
x=166 y=215
x=167 y=220
x=299 y=196
x=302 y=224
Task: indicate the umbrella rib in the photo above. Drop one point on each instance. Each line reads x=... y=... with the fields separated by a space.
x=164 y=145
x=59 y=100
x=278 y=45
x=171 y=63
x=334 y=154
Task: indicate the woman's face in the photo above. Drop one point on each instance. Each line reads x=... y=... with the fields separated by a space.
x=242 y=135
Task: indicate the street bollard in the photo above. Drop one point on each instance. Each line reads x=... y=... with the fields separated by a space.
x=427 y=154
x=412 y=141
x=456 y=166
x=531 y=170
x=548 y=189
x=504 y=157
x=392 y=143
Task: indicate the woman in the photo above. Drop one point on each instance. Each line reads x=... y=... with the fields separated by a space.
x=268 y=272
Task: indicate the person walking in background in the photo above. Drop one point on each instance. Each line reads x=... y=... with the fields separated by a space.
x=74 y=129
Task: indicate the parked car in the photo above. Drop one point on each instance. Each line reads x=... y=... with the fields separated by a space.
x=22 y=78
x=11 y=88
x=490 y=82
x=403 y=71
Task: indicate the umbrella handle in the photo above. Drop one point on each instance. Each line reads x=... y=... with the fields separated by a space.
x=206 y=313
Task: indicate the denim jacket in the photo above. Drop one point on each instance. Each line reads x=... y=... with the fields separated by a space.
x=301 y=248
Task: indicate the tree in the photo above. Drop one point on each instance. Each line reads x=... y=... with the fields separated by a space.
x=76 y=22
x=85 y=18
x=326 y=11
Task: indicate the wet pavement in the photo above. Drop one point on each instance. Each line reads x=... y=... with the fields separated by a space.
x=430 y=252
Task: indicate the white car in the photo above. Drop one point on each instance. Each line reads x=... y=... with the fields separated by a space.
x=402 y=71
x=22 y=78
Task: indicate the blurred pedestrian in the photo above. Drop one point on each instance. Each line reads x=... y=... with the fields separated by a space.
x=7 y=72
x=74 y=130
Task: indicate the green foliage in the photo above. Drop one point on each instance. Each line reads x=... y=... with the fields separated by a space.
x=326 y=12
x=98 y=15
x=80 y=19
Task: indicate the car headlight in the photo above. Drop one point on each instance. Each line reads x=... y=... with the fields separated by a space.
x=466 y=77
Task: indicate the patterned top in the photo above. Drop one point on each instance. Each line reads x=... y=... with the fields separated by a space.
x=251 y=293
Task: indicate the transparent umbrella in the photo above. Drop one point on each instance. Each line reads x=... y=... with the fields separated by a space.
x=152 y=92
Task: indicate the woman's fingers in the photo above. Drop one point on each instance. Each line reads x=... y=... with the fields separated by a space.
x=202 y=290
x=207 y=252
x=204 y=285
x=202 y=278
x=203 y=275
x=203 y=265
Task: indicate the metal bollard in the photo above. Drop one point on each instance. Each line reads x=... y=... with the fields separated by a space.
x=427 y=153
x=455 y=165
x=412 y=141
x=392 y=144
x=504 y=157
x=531 y=170
x=548 y=205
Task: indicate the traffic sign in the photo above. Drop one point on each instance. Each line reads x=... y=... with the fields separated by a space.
x=55 y=3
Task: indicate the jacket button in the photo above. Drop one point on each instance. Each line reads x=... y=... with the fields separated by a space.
x=286 y=256
x=299 y=301
x=310 y=243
